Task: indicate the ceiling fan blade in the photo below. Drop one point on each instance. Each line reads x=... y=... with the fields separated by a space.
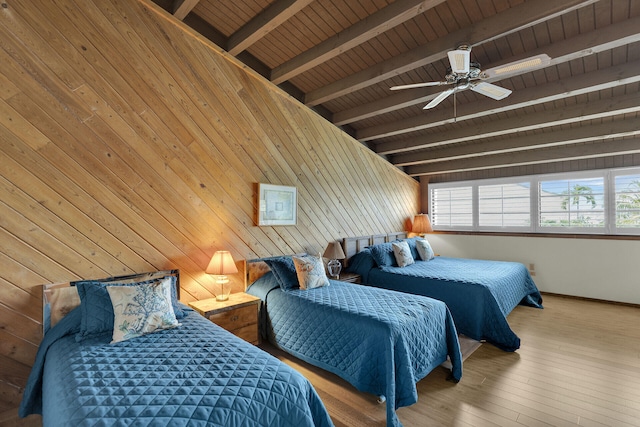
x=415 y=85
x=460 y=60
x=537 y=61
x=438 y=99
x=492 y=91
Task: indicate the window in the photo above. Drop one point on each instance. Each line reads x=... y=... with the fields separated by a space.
x=451 y=207
x=627 y=202
x=572 y=203
x=504 y=205
x=592 y=202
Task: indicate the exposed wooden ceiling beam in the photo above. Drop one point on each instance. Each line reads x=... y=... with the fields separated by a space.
x=512 y=20
x=181 y=8
x=584 y=133
x=585 y=83
x=556 y=154
x=366 y=29
x=263 y=23
x=586 y=44
x=544 y=119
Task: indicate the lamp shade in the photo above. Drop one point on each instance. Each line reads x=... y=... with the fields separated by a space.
x=222 y=264
x=421 y=224
x=334 y=251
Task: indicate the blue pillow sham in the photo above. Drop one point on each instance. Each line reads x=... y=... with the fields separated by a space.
x=382 y=253
x=97 y=310
x=285 y=271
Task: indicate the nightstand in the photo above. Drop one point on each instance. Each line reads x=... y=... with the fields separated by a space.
x=238 y=314
x=349 y=277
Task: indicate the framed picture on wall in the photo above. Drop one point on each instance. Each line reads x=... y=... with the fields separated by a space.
x=277 y=205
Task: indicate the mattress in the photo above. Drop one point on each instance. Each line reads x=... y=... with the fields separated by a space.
x=382 y=342
x=479 y=293
x=194 y=375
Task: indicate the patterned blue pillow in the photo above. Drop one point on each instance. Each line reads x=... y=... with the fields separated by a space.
x=402 y=253
x=383 y=254
x=97 y=310
x=140 y=310
x=424 y=249
x=285 y=271
x=310 y=271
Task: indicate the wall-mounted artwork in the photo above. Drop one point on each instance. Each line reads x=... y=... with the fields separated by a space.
x=277 y=205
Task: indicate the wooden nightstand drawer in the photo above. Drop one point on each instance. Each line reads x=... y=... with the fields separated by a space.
x=237 y=318
x=248 y=333
x=238 y=314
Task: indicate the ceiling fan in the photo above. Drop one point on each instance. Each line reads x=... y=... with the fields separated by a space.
x=466 y=74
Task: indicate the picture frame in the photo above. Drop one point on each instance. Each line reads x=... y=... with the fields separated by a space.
x=277 y=205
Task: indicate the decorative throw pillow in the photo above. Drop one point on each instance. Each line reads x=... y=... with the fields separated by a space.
x=284 y=270
x=412 y=245
x=310 y=272
x=142 y=309
x=424 y=249
x=97 y=311
x=402 y=253
x=383 y=254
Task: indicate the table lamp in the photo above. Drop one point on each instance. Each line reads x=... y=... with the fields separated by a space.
x=421 y=224
x=335 y=253
x=222 y=264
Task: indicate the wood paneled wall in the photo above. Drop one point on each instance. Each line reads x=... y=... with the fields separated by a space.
x=129 y=144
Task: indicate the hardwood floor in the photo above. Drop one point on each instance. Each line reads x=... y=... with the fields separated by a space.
x=579 y=364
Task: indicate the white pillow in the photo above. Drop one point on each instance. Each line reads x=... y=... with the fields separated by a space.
x=141 y=309
x=424 y=250
x=402 y=252
x=310 y=271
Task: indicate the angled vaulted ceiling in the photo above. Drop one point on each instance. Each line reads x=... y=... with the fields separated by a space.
x=340 y=57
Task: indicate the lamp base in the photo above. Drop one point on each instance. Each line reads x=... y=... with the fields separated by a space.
x=222 y=297
x=333 y=268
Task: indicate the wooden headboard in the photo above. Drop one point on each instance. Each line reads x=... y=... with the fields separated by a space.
x=256 y=268
x=353 y=245
x=60 y=298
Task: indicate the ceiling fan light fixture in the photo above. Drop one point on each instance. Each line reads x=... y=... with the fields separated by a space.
x=492 y=91
x=532 y=62
x=460 y=60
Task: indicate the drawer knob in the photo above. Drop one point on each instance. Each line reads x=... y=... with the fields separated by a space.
x=234 y=318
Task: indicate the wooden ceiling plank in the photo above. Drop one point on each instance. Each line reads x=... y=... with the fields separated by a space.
x=591 y=82
x=594 y=42
x=366 y=29
x=263 y=23
x=582 y=133
x=500 y=25
x=181 y=8
x=556 y=154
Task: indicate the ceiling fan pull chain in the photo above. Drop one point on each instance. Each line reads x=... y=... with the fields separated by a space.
x=455 y=112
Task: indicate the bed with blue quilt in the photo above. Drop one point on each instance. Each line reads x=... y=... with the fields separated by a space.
x=192 y=373
x=479 y=293
x=382 y=342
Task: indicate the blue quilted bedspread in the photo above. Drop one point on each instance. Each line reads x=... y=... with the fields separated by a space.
x=195 y=375
x=382 y=342
x=479 y=293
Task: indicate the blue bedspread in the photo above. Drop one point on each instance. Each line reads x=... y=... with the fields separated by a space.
x=197 y=375
x=381 y=342
x=479 y=293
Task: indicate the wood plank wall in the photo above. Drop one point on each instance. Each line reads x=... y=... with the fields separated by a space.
x=129 y=144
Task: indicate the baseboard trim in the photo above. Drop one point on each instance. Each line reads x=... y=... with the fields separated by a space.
x=627 y=304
